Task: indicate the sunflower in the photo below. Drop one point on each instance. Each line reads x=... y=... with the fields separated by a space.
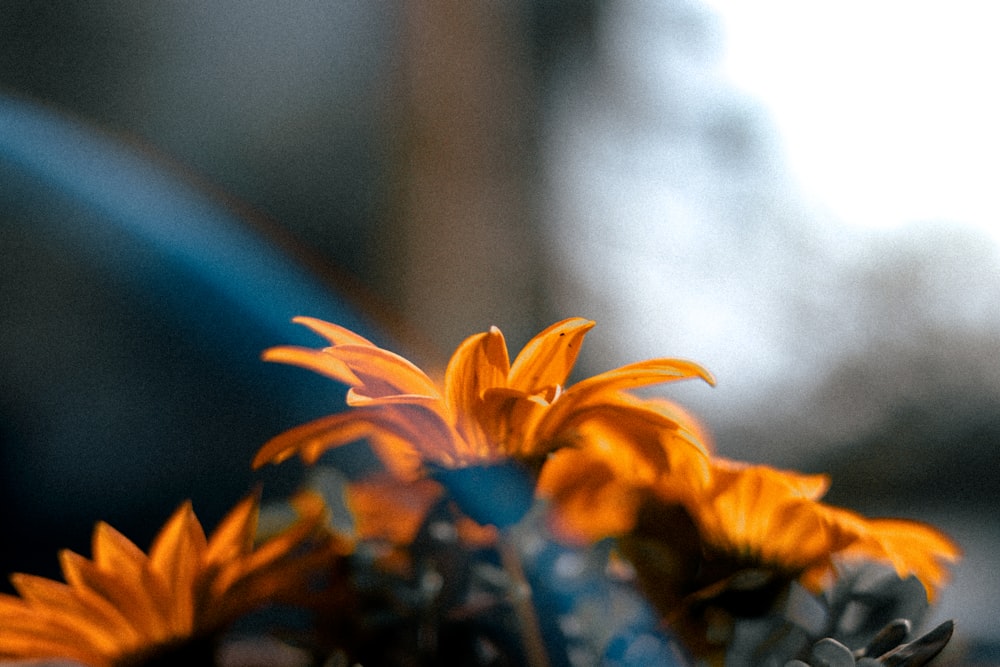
x=125 y=606
x=488 y=412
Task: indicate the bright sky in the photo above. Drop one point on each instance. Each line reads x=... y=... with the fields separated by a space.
x=889 y=109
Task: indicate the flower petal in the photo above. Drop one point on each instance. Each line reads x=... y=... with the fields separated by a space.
x=640 y=374
x=479 y=363
x=91 y=619
x=336 y=334
x=134 y=605
x=318 y=361
x=590 y=500
x=911 y=547
x=233 y=537
x=176 y=556
x=315 y=436
x=548 y=358
x=383 y=373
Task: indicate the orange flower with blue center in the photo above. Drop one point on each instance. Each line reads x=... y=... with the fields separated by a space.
x=487 y=413
x=125 y=604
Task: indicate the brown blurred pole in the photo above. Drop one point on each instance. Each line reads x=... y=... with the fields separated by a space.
x=461 y=251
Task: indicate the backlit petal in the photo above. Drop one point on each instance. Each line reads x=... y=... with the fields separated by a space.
x=548 y=358
x=318 y=361
x=480 y=363
x=383 y=373
x=336 y=334
x=176 y=556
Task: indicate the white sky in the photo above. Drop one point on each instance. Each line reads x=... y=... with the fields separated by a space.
x=889 y=109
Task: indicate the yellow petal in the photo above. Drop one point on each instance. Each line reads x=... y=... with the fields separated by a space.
x=116 y=554
x=113 y=552
x=606 y=387
x=356 y=399
x=509 y=419
x=44 y=639
x=396 y=433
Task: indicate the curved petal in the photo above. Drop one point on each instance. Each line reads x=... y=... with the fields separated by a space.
x=326 y=432
x=383 y=373
x=548 y=358
x=480 y=363
x=317 y=361
x=336 y=334
x=639 y=374
x=638 y=423
x=606 y=388
x=804 y=485
x=509 y=418
x=355 y=399
x=401 y=436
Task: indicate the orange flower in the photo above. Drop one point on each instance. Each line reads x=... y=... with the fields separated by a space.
x=600 y=487
x=761 y=516
x=125 y=603
x=488 y=412
x=764 y=517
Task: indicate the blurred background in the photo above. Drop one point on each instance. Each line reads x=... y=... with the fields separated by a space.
x=797 y=195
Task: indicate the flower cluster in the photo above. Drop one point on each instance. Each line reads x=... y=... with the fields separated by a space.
x=477 y=471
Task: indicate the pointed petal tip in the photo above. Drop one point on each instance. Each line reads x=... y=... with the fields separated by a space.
x=334 y=333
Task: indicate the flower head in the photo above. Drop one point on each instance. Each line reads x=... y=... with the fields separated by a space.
x=755 y=516
x=125 y=603
x=488 y=411
x=760 y=516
